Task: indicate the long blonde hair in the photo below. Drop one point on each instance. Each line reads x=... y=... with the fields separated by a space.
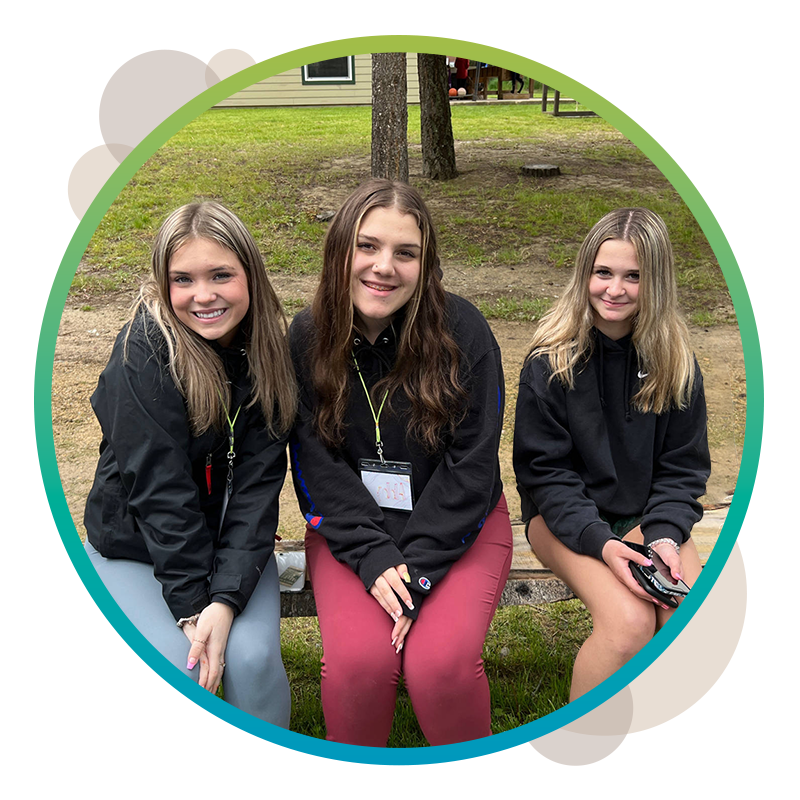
x=194 y=366
x=659 y=334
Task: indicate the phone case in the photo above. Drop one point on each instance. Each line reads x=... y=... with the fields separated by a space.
x=639 y=573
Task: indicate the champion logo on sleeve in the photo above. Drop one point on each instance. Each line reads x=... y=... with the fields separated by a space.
x=425 y=583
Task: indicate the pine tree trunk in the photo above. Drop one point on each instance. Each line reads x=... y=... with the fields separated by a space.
x=389 y=117
x=641 y=84
x=438 y=149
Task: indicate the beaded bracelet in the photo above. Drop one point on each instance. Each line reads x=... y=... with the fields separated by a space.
x=666 y=540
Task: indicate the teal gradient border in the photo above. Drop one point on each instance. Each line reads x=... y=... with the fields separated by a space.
x=124 y=173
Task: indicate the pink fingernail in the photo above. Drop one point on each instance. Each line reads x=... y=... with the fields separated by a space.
x=191 y=663
x=678 y=577
x=649 y=563
x=394 y=616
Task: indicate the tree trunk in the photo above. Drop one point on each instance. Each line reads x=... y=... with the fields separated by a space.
x=641 y=84
x=389 y=117
x=438 y=150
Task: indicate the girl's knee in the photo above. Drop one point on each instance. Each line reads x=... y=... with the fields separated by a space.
x=255 y=655
x=443 y=673
x=357 y=668
x=630 y=629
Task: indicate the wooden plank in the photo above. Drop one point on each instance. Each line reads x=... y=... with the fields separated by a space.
x=529 y=582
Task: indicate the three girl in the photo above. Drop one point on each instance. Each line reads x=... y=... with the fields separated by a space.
x=394 y=452
x=195 y=406
x=610 y=437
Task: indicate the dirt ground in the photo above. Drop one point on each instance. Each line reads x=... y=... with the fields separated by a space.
x=85 y=339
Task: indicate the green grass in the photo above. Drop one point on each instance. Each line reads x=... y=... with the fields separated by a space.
x=278 y=167
x=528 y=659
x=512 y=309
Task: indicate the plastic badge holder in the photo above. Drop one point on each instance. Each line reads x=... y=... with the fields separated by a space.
x=291 y=571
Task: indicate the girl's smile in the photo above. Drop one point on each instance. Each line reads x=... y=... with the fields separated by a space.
x=386 y=267
x=208 y=290
x=614 y=288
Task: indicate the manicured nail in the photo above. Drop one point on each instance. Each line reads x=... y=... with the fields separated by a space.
x=394 y=640
x=190 y=663
x=399 y=647
x=394 y=616
x=406 y=577
x=410 y=605
x=648 y=563
x=679 y=577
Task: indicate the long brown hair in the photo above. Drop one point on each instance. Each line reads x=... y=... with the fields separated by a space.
x=195 y=367
x=428 y=358
x=659 y=333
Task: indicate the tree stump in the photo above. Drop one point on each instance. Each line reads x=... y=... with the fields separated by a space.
x=541 y=170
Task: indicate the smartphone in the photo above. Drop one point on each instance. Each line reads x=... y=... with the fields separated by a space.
x=664 y=576
x=664 y=589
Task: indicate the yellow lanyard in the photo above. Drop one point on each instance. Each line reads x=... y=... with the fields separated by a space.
x=376 y=417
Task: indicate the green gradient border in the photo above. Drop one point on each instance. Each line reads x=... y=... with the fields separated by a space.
x=124 y=173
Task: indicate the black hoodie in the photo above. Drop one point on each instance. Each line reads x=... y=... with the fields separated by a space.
x=586 y=451
x=454 y=491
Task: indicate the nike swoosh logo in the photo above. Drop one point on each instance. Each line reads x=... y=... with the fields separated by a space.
x=643 y=374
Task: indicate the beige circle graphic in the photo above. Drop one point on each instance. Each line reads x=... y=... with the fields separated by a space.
x=89 y=174
x=676 y=680
x=144 y=91
x=588 y=740
x=227 y=63
x=691 y=665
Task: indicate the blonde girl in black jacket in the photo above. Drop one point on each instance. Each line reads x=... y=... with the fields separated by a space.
x=195 y=406
x=610 y=436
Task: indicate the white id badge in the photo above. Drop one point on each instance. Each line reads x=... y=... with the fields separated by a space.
x=389 y=482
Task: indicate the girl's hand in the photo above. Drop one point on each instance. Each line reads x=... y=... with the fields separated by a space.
x=394 y=578
x=400 y=631
x=669 y=555
x=209 y=639
x=617 y=557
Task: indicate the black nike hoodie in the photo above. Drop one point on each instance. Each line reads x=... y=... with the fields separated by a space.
x=586 y=451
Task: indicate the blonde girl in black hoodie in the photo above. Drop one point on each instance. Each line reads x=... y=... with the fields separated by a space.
x=610 y=439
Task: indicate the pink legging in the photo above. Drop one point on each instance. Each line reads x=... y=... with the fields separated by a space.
x=441 y=659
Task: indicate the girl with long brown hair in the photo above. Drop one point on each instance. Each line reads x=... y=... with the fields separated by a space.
x=610 y=437
x=396 y=470
x=195 y=406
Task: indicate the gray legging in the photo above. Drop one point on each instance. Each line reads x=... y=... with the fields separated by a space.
x=254 y=678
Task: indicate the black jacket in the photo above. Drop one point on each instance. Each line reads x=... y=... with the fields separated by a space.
x=587 y=451
x=150 y=500
x=453 y=491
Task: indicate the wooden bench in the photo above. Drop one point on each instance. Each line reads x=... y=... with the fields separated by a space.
x=529 y=582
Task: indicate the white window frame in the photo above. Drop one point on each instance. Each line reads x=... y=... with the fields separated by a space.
x=339 y=79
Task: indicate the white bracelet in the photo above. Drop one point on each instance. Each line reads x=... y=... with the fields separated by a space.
x=188 y=621
x=666 y=540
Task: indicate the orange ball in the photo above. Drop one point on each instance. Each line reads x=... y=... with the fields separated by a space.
x=453 y=93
